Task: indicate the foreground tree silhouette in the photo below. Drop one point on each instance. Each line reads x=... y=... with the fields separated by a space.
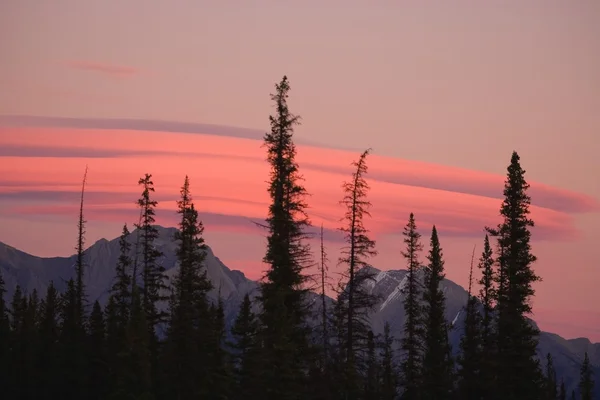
x=550 y=385
x=437 y=381
x=586 y=381
x=355 y=296
x=389 y=380
x=411 y=343
x=487 y=296
x=469 y=358
x=5 y=335
x=244 y=344
x=518 y=370
x=189 y=336
x=283 y=318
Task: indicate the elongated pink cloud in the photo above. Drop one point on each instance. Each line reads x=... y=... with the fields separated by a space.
x=44 y=165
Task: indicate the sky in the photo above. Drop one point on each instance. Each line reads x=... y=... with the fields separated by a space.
x=443 y=92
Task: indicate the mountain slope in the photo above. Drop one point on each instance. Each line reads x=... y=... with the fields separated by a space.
x=32 y=272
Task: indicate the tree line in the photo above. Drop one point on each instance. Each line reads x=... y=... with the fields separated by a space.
x=280 y=348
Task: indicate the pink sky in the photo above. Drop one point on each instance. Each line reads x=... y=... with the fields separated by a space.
x=442 y=91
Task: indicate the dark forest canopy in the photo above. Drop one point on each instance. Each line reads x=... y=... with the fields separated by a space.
x=56 y=345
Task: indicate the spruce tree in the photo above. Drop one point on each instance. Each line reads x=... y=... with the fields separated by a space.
x=550 y=385
x=411 y=343
x=80 y=263
x=324 y=315
x=518 y=370
x=72 y=356
x=121 y=288
x=98 y=366
x=371 y=381
x=137 y=366
x=284 y=335
x=437 y=371
x=190 y=330
x=563 y=391
x=356 y=296
x=244 y=331
x=153 y=275
x=469 y=359
x=487 y=297
x=586 y=381
x=48 y=367
x=389 y=380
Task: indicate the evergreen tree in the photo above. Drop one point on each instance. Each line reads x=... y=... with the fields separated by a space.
x=244 y=332
x=356 y=296
x=284 y=336
x=469 y=359
x=371 y=386
x=219 y=363
x=137 y=368
x=190 y=330
x=389 y=381
x=324 y=316
x=586 y=381
x=97 y=355
x=72 y=358
x=437 y=370
x=121 y=288
x=411 y=344
x=153 y=275
x=550 y=383
x=563 y=391
x=48 y=354
x=79 y=261
x=518 y=370
x=487 y=296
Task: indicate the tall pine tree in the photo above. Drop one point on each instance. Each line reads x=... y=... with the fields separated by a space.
x=469 y=358
x=411 y=343
x=389 y=379
x=487 y=297
x=586 y=380
x=518 y=370
x=356 y=297
x=189 y=335
x=437 y=383
x=284 y=335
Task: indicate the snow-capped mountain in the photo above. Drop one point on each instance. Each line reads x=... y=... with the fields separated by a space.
x=31 y=272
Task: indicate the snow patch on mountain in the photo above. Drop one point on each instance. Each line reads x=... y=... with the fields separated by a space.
x=395 y=294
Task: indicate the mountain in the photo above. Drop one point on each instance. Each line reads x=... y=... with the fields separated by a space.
x=31 y=272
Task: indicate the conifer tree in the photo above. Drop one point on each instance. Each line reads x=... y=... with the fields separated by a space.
x=73 y=362
x=550 y=383
x=371 y=386
x=137 y=368
x=563 y=391
x=487 y=297
x=469 y=359
x=437 y=371
x=518 y=370
x=153 y=275
x=219 y=383
x=121 y=288
x=586 y=381
x=48 y=373
x=324 y=316
x=411 y=343
x=389 y=380
x=355 y=296
x=79 y=263
x=244 y=331
x=284 y=336
x=97 y=354
x=189 y=335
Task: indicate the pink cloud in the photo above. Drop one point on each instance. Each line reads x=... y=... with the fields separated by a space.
x=105 y=69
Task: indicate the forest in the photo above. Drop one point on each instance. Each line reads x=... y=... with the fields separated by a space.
x=66 y=346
